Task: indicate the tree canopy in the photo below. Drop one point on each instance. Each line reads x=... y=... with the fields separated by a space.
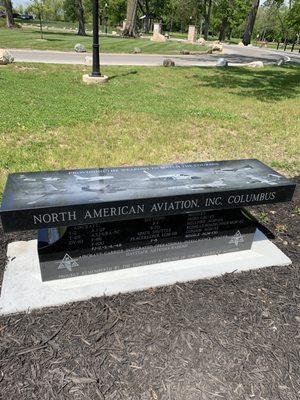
x=273 y=20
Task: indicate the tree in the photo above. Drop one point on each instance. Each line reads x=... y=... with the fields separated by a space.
x=69 y=10
x=207 y=15
x=294 y=16
x=80 y=17
x=54 y=10
x=250 y=22
x=116 y=11
x=131 y=17
x=228 y=15
x=37 y=7
x=205 y=10
x=10 y=23
x=152 y=9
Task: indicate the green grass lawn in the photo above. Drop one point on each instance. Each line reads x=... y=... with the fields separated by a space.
x=54 y=24
x=51 y=120
x=65 y=41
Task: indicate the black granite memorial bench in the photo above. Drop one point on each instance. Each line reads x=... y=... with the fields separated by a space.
x=97 y=220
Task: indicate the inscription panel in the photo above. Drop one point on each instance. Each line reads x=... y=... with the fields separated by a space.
x=87 y=249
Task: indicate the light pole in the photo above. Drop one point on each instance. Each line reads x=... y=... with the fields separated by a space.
x=95 y=77
x=96 y=54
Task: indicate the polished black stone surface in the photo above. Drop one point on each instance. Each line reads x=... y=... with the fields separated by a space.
x=69 y=198
x=87 y=249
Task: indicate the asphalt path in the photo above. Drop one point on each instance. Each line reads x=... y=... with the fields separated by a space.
x=234 y=54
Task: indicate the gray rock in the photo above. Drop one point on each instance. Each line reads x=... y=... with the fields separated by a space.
x=168 y=62
x=280 y=62
x=79 y=48
x=201 y=41
x=217 y=47
x=6 y=57
x=283 y=61
x=158 y=37
x=137 y=50
x=222 y=62
x=256 y=64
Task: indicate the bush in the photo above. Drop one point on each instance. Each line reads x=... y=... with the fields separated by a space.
x=3 y=23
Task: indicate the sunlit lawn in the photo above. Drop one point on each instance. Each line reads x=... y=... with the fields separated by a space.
x=66 y=40
x=51 y=120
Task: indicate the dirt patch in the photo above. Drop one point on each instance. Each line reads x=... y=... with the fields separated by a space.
x=233 y=337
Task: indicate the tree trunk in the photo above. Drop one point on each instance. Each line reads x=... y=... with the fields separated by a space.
x=130 y=27
x=201 y=26
x=40 y=16
x=207 y=19
x=80 y=17
x=10 y=23
x=222 y=34
x=148 y=20
x=146 y=12
x=250 y=22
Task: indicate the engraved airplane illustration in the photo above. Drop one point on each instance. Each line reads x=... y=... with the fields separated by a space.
x=237 y=169
x=51 y=179
x=102 y=189
x=257 y=179
x=24 y=179
x=215 y=184
x=52 y=191
x=93 y=178
x=275 y=176
x=171 y=177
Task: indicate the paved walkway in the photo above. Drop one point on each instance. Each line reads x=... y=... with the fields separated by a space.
x=235 y=55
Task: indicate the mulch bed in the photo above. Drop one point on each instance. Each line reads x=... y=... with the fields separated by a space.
x=231 y=337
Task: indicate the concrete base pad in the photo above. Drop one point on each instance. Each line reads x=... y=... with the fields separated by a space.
x=23 y=290
x=94 y=80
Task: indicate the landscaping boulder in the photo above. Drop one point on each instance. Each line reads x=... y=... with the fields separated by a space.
x=158 y=37
x=79 y=48
x=283 y=61
x=185 y=52
x=5 y=57
x=168 y=62
x=241 y=44
x=217 y=47
x=137 y=50
x=256 y=64
x=201 y=41
x=222 y=62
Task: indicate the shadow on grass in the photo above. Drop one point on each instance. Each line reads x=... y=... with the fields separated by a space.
x=67 y=34
x=53 y=40
x=74 y=34
x=122 y=75
x=264 y=85
x=88 y=35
